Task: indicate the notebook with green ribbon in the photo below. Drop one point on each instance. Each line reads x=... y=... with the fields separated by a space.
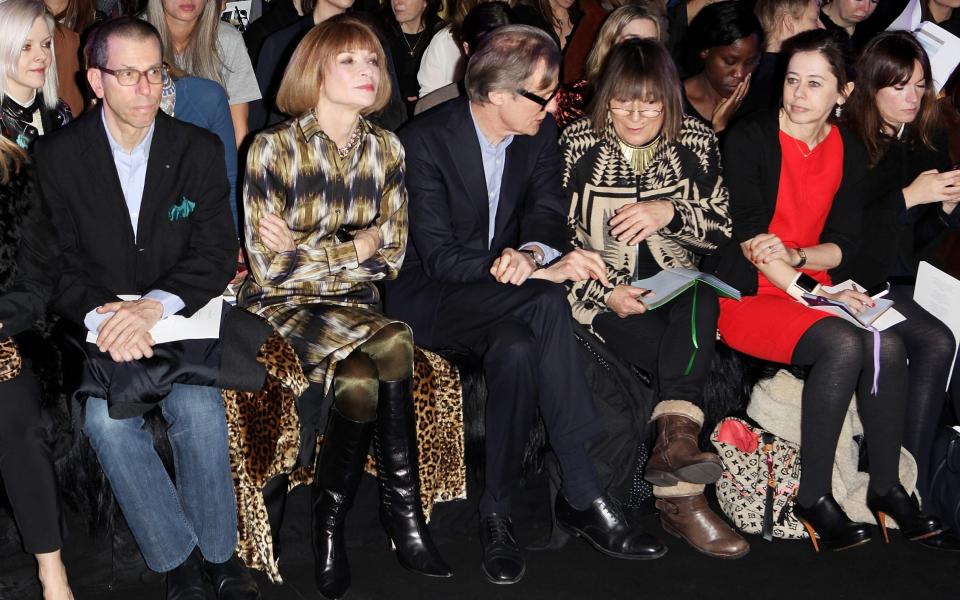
x=670 y=283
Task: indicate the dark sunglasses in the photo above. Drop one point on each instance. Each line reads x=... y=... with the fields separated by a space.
x=543 y=102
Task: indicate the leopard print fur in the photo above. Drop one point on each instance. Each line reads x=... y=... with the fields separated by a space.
x=10 y=361
x=265 y=441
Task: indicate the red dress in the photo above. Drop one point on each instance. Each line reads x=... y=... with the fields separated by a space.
x=770 y=324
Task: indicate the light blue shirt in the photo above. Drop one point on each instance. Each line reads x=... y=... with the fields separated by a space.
x=494 y=158
x=132 y=172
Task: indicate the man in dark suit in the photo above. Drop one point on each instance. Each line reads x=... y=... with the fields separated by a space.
x=139 y=203
x=486 y=212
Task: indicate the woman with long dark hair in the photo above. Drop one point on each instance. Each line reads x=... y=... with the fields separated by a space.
x=795 y=179
x=910 y=196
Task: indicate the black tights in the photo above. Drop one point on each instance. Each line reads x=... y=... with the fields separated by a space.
x=840 y=356
x=387 y=356
x=930 y=348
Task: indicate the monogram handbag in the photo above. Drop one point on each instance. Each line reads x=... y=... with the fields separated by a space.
x=10 y=361
x=761 y=476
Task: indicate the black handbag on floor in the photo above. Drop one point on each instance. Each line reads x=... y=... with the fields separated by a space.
x=944 y=500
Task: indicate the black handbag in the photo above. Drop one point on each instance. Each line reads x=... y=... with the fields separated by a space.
x=944 y=498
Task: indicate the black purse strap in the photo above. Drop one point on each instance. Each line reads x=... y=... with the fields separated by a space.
x=767 y=440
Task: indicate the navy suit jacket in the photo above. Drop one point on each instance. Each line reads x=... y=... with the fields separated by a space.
x=448 y=208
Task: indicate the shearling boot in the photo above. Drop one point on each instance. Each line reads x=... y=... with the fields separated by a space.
x=684 y=513
x=677 y=456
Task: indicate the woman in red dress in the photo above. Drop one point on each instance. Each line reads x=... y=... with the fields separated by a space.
x=793 y=178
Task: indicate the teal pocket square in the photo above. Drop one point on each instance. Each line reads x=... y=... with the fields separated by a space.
x=181 y=210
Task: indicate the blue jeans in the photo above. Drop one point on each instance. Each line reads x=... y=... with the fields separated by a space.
x=169 y=521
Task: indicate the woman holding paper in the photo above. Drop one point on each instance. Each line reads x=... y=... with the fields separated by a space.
x=794 y=180
x=910 y=197
x=645 y=192
x=326 y=211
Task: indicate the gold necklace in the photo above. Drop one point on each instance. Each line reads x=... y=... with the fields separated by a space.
x=817 y=139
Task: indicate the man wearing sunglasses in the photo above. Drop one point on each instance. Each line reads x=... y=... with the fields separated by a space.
x=481 y=276
x=140 y=206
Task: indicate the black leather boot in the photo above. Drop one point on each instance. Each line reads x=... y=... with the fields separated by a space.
x=904 y=509
x=395 y=448
x=342 y=455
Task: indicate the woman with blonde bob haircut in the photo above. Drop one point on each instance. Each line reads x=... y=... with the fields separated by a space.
x=646 y=193
x=326 y=217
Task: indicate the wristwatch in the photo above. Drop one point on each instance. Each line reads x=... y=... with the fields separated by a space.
x=535 y=254
x=803 y=259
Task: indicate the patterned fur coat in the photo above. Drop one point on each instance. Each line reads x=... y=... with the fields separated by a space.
x=598 y=180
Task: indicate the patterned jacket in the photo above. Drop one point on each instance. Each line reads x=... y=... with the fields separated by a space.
x=598 y=180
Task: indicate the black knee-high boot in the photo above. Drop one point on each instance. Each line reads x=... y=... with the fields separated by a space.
x=342 y=456
x=399 y=479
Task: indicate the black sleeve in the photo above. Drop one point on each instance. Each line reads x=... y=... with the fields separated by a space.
x=743 y=174
x=545 y=206
x=846 y=214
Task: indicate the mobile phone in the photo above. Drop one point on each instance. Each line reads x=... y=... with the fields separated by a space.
x=878 y=291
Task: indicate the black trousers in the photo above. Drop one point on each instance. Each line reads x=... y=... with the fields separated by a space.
x=524 y=336
x=25 y=465
x=660 y=341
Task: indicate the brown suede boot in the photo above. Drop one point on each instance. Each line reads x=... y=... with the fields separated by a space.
x=691 y=518
x=677 y=456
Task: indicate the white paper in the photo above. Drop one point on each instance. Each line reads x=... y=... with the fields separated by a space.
x=203 y=325
x=939 y=294
x=909 y=19
x=942 y=47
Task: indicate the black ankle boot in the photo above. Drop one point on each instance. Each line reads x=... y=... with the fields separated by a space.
x=827 y=521
x=395 y=449
x=342 y=455
x=897 y=504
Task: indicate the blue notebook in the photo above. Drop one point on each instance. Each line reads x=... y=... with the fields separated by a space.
x=670 y=283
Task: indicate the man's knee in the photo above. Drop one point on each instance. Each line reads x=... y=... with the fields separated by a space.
x=511 y=342
x=549 y=296
x=99 y=425
x=193 y=407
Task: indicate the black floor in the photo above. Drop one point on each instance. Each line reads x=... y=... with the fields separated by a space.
x=772 y=571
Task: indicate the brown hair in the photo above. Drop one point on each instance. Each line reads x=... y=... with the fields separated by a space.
x=639 y=69
x=78 y=15
x=651 y=10
x=888 y=60
x=831 y=44
x=508 y=56
x=11 y=157
x=303 y=78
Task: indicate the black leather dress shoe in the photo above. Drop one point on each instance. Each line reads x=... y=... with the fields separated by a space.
x=502 y=562
x=186 y=581
x=232 y=580
x=605 y=527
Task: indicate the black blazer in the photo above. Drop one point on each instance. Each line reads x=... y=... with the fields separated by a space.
x=449 y=213
x=193 y=257
x=751 y=165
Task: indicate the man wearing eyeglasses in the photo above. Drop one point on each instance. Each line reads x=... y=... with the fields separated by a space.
x=488 y=248
x=140 y=206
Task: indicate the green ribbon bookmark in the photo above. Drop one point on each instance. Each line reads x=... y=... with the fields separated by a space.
x=693 y=328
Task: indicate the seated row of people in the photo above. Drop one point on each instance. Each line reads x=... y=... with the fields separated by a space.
x=485 y=233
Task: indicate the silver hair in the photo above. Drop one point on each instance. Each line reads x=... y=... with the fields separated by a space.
x=16 y=19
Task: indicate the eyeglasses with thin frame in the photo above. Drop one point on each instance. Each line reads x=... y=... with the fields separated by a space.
x=130 y=77
x=649 y=113
x=543 y=102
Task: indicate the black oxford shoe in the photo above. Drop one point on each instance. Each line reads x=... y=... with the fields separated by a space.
x=502 y=562
x=186 y=581
x=604 y=526
x=232 y=580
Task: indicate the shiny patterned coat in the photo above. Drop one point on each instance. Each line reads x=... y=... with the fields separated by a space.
x=319 y=296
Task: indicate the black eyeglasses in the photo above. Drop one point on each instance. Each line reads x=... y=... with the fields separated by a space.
x=543 y=102
x=128 y=77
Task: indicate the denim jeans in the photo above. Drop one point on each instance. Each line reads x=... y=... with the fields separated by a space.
x=169 y=521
